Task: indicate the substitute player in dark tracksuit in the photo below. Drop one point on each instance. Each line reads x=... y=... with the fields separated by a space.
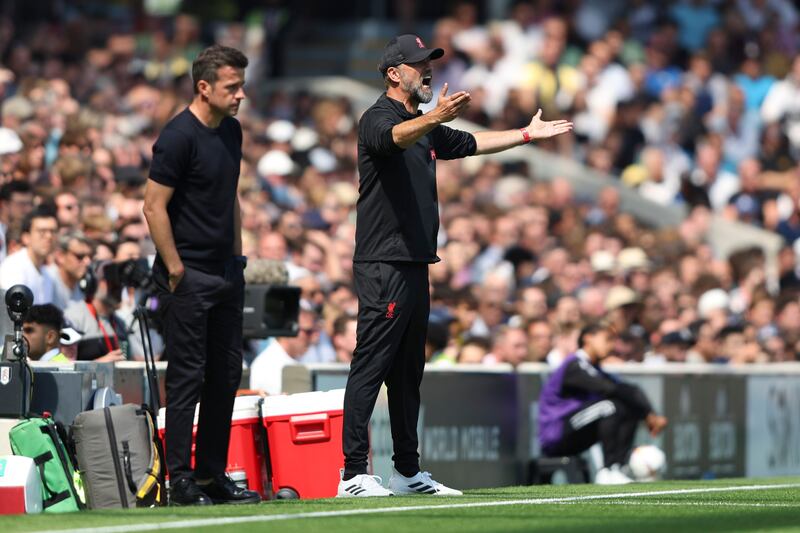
x=193 y=213
x=396 y=228
x=581 y=405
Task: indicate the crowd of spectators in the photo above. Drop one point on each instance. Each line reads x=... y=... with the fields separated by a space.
x=689 y=102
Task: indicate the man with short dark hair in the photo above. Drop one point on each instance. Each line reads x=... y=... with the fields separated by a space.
x=42 y=328
x=540 y=338
x=344 y=337
x=581 y=404
x=16 y=201
x=396 y=232
x=68 y=210
x=27 y=266
x=193 y=212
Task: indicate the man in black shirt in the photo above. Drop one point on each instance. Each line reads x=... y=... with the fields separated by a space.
x=397 y=224
x=193 y=213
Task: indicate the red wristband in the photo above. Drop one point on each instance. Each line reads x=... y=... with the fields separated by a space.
x=526 y=137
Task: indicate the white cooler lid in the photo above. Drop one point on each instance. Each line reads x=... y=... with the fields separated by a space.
x=305 y=402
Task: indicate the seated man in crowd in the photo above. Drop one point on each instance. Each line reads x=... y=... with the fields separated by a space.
x=104 y=333
x=72 y=257
x=266 y=370
x=44 y=330
x=581 y=404
x=344 y=337
x=27 y=266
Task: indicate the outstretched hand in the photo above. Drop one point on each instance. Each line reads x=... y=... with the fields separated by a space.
x=449 y=107
x=540 y=129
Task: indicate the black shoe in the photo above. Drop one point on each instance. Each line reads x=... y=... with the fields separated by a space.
x=223 y=490
x=186 y=492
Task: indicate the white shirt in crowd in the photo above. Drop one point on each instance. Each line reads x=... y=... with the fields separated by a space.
x=783 y=103
x=18 y=268
x=266 y=370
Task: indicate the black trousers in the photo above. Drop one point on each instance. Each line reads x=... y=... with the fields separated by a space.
x=203 y=345
x=609 y=422
x=393 y=309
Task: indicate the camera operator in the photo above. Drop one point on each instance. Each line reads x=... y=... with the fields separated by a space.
x=128 y=250
x=73 y=256
x=104 y=331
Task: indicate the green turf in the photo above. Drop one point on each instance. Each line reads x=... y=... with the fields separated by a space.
x=774 y=509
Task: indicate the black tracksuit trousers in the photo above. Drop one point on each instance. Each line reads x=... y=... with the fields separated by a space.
x=393 y=309
x=203 y=345
x=609 y=422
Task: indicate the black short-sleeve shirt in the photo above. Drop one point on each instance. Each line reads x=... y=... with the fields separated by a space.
x=397 y=210
x=202 y=165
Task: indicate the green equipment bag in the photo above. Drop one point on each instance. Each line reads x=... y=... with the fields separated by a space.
x=38 y=438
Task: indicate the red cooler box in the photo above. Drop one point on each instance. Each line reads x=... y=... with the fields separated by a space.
x=20 y=485
x=305 y=443
x=246 y=460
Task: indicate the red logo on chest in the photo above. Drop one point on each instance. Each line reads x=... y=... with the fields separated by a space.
x=433 y=154
x=390 y=309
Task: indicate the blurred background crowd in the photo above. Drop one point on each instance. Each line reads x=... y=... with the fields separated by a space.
x=693 y=103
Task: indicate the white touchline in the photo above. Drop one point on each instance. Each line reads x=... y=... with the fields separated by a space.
x=685 y=504
x=226 y=521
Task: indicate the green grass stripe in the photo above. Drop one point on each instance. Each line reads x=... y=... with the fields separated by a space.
x=728 y=505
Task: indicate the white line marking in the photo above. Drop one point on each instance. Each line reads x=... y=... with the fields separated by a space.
x=686 y=504
x=226 y=521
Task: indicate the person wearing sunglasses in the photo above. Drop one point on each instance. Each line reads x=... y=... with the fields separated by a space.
x=73 y=255
x=266 y=370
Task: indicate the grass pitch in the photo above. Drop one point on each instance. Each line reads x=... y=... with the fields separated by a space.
x=721 y=505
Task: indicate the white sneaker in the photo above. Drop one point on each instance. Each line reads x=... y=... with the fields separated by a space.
x=611 y=476
x=422 y=483
x=362 y=486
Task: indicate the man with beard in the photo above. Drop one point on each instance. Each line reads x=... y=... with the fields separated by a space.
x=396 y=229
x=104 y=332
